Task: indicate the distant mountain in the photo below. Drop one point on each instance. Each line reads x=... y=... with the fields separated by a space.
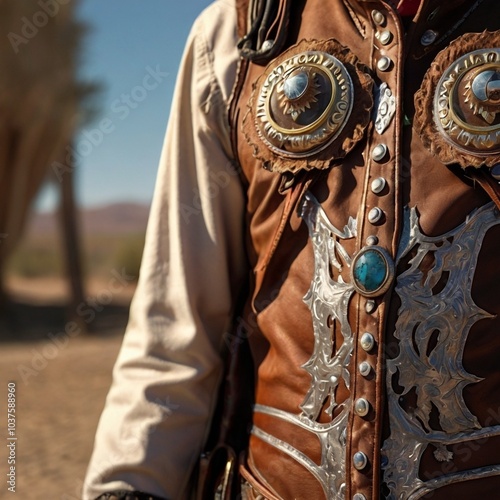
x=117 y=218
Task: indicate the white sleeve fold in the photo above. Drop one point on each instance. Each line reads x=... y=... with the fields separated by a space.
x=165 y=380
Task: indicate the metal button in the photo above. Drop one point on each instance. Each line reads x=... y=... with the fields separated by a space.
x=378 y=17
x=379 y=152
x=370 y=306
x=358 y=496
x=267 y=45
x=371 y=240
x=364 y=368
x=429 y=37
x=361 y=407
x=384 y=63
x=378 y=185
x=375 y=215
x=495 y=172
x=385 y=37
x=359 y=460
x=367 y=342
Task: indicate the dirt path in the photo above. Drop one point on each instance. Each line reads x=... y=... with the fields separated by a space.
x=60 y=394
x=61 y=384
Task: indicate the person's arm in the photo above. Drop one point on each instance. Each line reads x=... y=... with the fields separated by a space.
x=158 y=410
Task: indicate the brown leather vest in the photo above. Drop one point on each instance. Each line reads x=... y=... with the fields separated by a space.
x=396 y=393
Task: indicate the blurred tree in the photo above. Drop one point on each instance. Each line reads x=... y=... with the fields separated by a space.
x=41 y=105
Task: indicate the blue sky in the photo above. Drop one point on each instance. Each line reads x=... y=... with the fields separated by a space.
x=132 y=44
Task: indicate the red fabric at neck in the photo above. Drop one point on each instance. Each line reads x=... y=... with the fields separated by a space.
x=408 y=7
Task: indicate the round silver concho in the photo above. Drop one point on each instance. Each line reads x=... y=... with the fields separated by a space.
x=467 y=103
x=303 y=104
x=372 y=271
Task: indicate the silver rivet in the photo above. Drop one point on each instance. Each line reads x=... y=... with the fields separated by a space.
x=375 y=215
x=378 y=185
x=364 y=368
x=361 y=407
x=378 y=17
x=429 y=37
x=371 y=240
x=495 y=172
x=370 y=306
x=367 y=342
x=267 y=45
x=359 y=460
x=379 y=152
x=385 y=37
x=358 y=496
x=384 y=63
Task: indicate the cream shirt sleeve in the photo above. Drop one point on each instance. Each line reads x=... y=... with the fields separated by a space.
x=165 y=380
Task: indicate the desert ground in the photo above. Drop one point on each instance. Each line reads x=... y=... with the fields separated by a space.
x=62 y=375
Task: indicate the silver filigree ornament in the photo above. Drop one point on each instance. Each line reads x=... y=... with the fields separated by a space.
x=385 y=108
x=326 y=299
x=435 y=317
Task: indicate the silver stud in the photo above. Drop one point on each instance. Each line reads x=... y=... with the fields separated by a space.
x=495 y=172
x=379 y=152
x=267 y=45
x=385 y=37
x=359 y=460
x=371 y=240
x=378 y=185
x=358 y=496
x=364 y=368
x=370 y=306
x=367 y=342
x=384 y=63
x=378 y=17
x=375 y=215
x=429 y=37
x=361 y=407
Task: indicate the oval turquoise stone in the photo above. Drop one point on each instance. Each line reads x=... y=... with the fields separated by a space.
x=295 y=86
x=370 y=270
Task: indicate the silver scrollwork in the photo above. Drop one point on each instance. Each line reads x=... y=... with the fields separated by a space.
x=436 y=314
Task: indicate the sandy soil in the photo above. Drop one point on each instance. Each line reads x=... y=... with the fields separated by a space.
x=61 y=385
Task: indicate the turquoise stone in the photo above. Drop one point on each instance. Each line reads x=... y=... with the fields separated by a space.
x=370 y=271
x=295 y=86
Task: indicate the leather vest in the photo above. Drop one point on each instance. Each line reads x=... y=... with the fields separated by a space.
x=374 y=313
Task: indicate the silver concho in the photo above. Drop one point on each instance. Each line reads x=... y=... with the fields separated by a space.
x=304 y=104
x=467 y=103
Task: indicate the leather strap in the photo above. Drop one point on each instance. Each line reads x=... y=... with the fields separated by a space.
x=267 y=28
x=490 y=185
